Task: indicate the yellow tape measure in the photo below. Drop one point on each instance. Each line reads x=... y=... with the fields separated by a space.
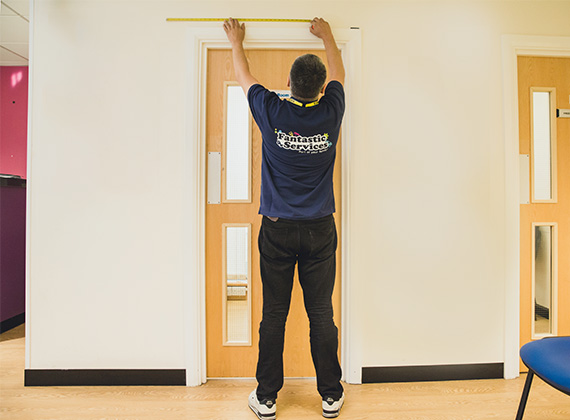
x=238 y=19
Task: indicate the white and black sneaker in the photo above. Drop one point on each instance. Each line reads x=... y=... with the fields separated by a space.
x=264 y=409
x=331 y=407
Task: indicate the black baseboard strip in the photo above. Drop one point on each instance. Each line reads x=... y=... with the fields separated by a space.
x=13 y=322
x=432 y=373
x=104 y=377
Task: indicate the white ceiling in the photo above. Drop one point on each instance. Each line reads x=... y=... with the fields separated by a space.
x=14 y=32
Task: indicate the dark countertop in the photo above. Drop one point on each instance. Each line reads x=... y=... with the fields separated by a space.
x=12 y=182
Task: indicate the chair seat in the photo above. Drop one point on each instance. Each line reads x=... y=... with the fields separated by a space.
x=549 y=359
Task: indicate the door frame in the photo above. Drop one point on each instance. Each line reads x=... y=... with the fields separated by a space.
x=514 y=46
x=200 y=38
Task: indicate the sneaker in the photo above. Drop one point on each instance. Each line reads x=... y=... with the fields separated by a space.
x=264 y=409
x=331 y=407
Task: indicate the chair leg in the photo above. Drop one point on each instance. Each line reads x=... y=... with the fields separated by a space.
x=524 y=396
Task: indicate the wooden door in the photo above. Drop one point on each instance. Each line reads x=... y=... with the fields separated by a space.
x=544 y=86
x=226 y=356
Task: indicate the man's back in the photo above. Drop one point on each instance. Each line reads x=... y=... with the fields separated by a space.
x=299 y=150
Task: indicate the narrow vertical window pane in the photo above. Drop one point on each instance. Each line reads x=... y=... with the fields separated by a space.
x=237 y=145
x=237 y=264
x=543 y=279
x=237 y=286
x=542 y=146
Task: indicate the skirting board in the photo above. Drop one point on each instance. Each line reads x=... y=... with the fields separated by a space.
x=13 y=322
x=432 y=373
x=104 y=377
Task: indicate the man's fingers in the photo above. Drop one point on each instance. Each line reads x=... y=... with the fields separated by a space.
x=231 y=24
x=317 y=24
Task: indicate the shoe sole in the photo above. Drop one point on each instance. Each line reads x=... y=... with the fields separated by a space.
x=262 y=416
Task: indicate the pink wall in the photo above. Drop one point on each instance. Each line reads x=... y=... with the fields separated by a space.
x=13 y=120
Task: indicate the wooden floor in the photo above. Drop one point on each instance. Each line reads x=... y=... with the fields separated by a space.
x=227 y=399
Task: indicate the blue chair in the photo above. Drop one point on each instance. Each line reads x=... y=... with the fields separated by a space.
x=549 y=359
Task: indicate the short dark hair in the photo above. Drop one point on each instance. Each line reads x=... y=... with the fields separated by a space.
x=308 y=75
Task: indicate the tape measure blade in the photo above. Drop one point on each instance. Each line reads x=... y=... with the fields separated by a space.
x=239 y=19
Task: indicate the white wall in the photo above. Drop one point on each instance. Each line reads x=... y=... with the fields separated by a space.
x=106 y=260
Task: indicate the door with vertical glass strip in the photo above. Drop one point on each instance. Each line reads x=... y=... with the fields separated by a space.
x=544 y=88
x=233 y=284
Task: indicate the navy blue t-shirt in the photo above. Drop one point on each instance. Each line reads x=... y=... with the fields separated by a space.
x=298 y=152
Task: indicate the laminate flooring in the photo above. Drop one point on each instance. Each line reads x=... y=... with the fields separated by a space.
x=227 y=399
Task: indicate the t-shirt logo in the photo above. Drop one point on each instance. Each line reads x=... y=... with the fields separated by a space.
x=318 y=143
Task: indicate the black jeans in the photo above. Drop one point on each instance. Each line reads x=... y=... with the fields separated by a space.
x=311 y=244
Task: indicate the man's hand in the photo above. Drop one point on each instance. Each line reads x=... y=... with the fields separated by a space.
x=321 y=29
x=236 y=34
x=234 y=31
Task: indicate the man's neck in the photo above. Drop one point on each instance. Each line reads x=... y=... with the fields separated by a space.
x=305 y=99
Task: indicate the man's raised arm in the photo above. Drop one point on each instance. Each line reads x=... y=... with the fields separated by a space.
x=321 y=29
x=236 y=33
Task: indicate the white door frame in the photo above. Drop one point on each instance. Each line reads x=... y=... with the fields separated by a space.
x=201 y=38
x=512 y=47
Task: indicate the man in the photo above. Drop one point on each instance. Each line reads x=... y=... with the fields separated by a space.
x=297 y=203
